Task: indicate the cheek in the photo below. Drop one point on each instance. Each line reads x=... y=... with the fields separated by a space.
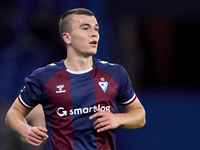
x=78 y=40
x=79 y=43
x=81 y=38
x=83 y=45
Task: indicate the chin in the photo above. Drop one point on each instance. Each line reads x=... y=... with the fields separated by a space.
x=90 y=54
x=93 y=52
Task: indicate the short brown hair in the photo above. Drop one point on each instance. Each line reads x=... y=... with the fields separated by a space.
x=66 y=21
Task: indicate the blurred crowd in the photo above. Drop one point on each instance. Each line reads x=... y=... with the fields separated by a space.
x=29 y=39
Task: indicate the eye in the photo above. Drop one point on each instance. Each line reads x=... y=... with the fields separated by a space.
x=85 y=28
x=96 y=29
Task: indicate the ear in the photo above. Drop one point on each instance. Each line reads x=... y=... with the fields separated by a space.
x=66 y=37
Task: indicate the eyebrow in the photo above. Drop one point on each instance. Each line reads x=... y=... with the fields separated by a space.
x=87 y=24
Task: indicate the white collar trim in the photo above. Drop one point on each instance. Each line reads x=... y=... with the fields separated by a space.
x=80 y=72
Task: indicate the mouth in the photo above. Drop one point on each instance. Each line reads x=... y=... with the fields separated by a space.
x=93 y=43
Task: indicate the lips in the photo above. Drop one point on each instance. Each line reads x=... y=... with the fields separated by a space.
x=93 y=43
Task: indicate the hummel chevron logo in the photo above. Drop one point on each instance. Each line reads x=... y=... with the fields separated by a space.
x=103 y=84
x=60 y=87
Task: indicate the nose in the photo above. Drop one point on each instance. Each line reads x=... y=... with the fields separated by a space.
x=94 y=33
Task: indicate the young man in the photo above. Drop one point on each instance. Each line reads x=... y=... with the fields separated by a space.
x=79 y=95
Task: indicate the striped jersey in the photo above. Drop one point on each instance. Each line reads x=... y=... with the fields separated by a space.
x=69 y=98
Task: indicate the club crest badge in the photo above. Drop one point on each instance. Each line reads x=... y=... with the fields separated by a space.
x=103 y=84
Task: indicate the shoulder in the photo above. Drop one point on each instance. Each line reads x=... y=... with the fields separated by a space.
x=50 y=68
x=44 y=73
x=116 y=71
x=110 y=68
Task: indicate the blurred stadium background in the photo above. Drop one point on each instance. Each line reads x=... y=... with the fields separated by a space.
x=156 y=41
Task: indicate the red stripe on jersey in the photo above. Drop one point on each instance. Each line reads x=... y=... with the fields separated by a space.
x=58 y=89
x=104 y=140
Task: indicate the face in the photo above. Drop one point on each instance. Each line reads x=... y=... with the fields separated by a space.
x=83 y=38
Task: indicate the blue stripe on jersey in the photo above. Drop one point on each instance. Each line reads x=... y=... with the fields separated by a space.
x=48 y=120
x=83 y=100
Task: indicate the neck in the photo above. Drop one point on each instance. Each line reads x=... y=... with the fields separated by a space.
x=78 y=64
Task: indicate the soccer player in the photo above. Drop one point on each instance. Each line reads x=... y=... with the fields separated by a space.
x=79 y=94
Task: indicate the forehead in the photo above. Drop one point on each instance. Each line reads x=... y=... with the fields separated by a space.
x=84 y=19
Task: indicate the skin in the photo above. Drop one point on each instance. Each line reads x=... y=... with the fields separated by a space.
x=132 y=118
x=81 y=43
x=80 y=48
x=15 y=119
